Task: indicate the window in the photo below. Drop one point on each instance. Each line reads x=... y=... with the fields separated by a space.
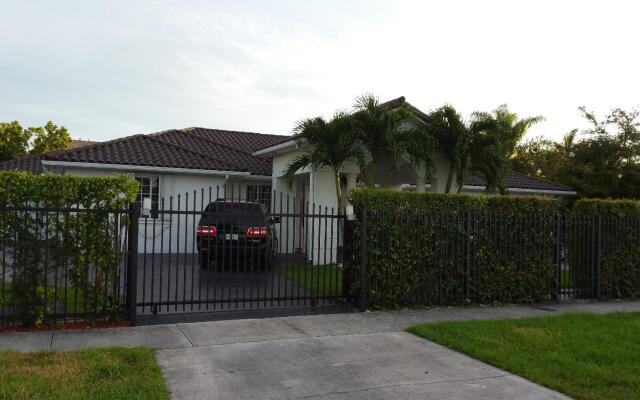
x=149 y=189
x=259 y=194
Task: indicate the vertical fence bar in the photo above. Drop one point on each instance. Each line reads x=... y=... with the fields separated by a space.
x=363 y=259
x=557 y=286
x=467 y=261
x=132 y=263
x=599 y=258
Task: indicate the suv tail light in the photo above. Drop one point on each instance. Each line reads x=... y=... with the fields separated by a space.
x=206 y=231
x=258 y=231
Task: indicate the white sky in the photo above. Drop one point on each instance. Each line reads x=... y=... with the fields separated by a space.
x=114 y=68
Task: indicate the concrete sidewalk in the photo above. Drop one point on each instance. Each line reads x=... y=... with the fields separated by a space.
x=336 y=356
x=183 y=335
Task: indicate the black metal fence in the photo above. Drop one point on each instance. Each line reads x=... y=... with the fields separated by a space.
x=416 y=258
x=63 y=264
x=203 y=251
x=185 y=255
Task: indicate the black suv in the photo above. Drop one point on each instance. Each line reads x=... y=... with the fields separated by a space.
x=236 y=233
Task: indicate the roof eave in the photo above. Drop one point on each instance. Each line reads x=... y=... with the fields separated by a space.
x=277 y=149
x=516 y=190
x=142 y=168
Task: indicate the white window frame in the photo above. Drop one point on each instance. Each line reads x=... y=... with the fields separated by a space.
x=262 y=195
x=153 y=212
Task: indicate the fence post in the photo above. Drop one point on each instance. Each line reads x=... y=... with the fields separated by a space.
x=347 y=256
x=132 y=263
x=557 y=284
x=467 y=262
x=599 y=258
x=363 y=259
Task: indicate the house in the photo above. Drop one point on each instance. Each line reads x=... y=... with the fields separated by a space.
x=184 y=169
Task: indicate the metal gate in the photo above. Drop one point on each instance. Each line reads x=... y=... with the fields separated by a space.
x=194 y=258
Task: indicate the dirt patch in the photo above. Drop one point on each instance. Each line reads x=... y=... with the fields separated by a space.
x=72 y=326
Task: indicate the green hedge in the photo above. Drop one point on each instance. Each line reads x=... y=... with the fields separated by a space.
x=388 y=200
x=58 y=190
x=417 y=247
x=43 y=247
x=614 y=225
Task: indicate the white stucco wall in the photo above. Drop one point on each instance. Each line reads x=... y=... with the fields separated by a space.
x=169 y=233
x=318 y=234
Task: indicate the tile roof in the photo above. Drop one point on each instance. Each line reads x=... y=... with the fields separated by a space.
x=31 y=164
x=142 y=150
x=188 y=139
x=517 y=180
x=75 y=143
x=244 y=141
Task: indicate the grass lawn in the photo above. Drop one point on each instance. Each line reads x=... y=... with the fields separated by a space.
x=585 y=356
x=100 y=374
x=324 y=280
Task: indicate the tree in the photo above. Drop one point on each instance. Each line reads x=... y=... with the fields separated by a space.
x=381 y=132
x=600 y=161
x=484 y=158
x=14 y=140
x=453 y=140
x=331 y=144
x=504 y=130
x=50 y=138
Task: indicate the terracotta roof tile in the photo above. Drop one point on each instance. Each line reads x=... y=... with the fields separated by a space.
x=75 y=143
x=141 y=150
x=244 y=141
x=198 y=143
x=31 y=164
x=517 y=180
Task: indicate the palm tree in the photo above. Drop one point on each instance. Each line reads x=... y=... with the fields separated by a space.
x=505 y=130
x=331 y=144
x=379 y=130
x=453 y=140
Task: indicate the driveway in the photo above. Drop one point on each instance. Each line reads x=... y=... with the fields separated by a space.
x=394 y=365
x=335 y=356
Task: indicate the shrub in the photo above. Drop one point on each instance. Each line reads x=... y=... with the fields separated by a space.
x=49 y=248
x=439 y=249
x=614 y=227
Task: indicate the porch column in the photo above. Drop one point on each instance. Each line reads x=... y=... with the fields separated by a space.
x=351 y=183
x=420 y=178
x=420 y=183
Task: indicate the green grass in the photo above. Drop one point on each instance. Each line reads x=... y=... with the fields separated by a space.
x=100 y=374
x=585 y=356
x=323 y=280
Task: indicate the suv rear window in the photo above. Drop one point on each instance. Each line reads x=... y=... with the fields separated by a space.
x=236 y=207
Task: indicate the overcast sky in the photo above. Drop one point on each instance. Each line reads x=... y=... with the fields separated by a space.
x=115 y=68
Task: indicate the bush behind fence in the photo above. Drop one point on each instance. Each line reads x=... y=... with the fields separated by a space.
x=430 y=249
x=62 y=247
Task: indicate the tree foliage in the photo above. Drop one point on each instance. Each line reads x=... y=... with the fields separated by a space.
x=402 y=134
x=503 y=131
x=330 y=144
x=600 y=161
x=16 y=141
x=50 y=138
x=390 y=133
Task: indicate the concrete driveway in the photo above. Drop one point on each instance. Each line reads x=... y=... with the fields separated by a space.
x=394 y=365
x=335 y=356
